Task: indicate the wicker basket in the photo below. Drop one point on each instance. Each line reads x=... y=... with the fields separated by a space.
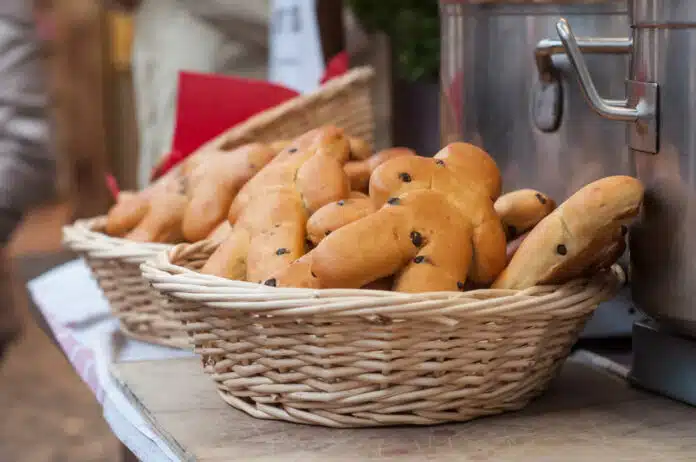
x=354 y=358
x=344 y=102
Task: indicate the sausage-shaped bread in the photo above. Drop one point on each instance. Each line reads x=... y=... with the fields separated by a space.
x=129 y=210
x=521 y=210
x=214 y=183
x=359 y=171
x=575 y=236
x=359 y=148
x=162 y=222
x=335 y=215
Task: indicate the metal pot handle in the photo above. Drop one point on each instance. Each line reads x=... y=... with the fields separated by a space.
x=639 y=108
x=548 y=104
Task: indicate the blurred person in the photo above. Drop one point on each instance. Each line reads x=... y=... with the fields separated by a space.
x=27 y=162
x=210 y=36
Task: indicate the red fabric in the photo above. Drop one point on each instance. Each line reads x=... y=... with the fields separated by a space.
x=208 y=105
x=336 y=67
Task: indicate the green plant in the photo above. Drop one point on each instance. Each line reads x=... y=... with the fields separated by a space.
x=413 y=27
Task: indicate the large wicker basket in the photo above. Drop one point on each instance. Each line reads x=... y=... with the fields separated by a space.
x=353 y=358
x=344 y=102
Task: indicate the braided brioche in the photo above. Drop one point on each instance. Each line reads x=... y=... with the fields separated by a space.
x=272 y=209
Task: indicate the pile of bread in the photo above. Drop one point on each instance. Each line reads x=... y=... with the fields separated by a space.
x=324 y=211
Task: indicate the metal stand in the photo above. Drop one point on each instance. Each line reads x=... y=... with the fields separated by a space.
x=663 y=362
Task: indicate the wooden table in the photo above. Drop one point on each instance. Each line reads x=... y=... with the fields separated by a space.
x=588 y=415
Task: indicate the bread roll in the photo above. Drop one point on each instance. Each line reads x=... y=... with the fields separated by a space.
x=319 y=153
x=162 y=222
x=473 y=165
x=469 y=177
x=421 y=236
x=521 y=210
x=274 y=206
x=220 y=232
x=132 y=207
x=213 y=184
x=359 y=171
x=337 y=214
x=359 y=148
x=279 y=145
x=129 y=210
x=575 y=236
x=230 y=259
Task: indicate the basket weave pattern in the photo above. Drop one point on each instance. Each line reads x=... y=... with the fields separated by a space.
x=144 y=314
x=115 y=265
x=354 y=358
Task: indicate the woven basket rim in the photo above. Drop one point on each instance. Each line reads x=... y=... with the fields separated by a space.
x=243 y=132
x=85 y=236
x=219 y=293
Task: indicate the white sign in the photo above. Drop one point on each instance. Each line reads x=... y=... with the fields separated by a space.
x=296 y=58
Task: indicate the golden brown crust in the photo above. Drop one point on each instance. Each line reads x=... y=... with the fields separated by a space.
x=473 y=165
x=449 y=173
x=162 y=222
x=129 y=210
x=359 y=171
x=213 y=184
x=521 y=210
x=298 y=274
x=276 y=223
x=274 y=206
x=359 y=148
x=328 y=142
x=337 y=214
x=422 y=237
x=279 y=145
x=575 y=235
x=220 y=232
x=230 y=259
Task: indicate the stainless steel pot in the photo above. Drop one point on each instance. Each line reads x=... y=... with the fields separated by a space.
x=510 y=90
x=660 y=110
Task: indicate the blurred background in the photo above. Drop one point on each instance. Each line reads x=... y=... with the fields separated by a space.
x=109 y=69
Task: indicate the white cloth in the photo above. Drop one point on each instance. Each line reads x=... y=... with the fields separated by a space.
x=78 y=315
x=171 y=36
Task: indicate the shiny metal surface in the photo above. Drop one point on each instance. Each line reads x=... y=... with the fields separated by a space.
x=663 y=244
x=663 y=14
x=639 y=108
x=493 y=95
x=548 y=109
x=547 y=48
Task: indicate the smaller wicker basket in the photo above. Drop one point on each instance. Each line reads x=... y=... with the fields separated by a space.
x=115 y=265
x=344 y=102
x=355 y=358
